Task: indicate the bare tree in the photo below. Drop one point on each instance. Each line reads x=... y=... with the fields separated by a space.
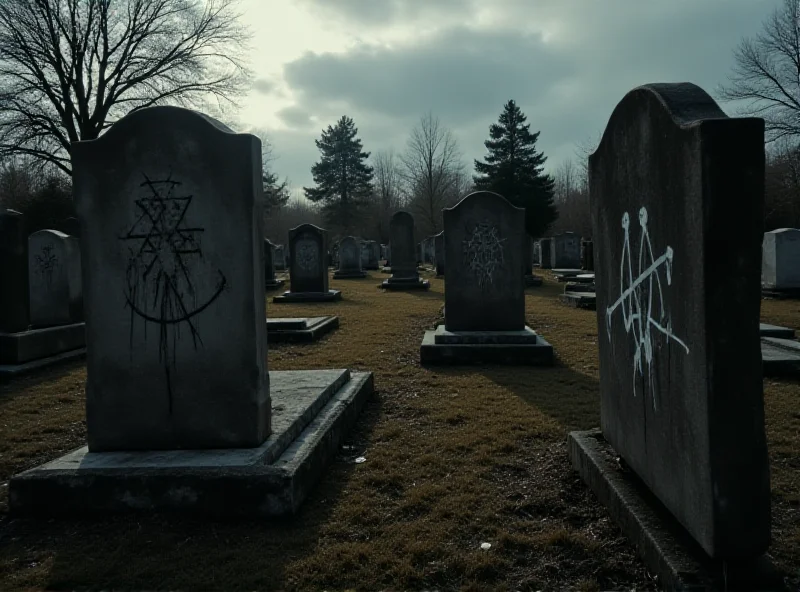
x=766 y=73
x=431 y=166
x=70 y=68
x=388 y=191
x=572 y=197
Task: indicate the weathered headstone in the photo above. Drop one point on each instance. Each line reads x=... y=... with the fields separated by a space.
x=780 y=268
x=439 y=252
x=370 y=255
x=536 y=256
x=270 y=281
x=173 y=282
x=54 y=272
x=677 y=194
x=308 y=272
x=405 y=255
x=484 y=321
x=587 y=255
x=14 y=304
x=279 y=258
x=349 y=259
x=565 y=251
x=529 y=278
x=545 y=248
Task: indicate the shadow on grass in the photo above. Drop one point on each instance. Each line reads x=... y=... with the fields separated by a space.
x=148 y=551
x=11 y=387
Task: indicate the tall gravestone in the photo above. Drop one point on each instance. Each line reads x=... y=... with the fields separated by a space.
x=14 y=304
x=677 y=197
x=370 y=254
x=587 y=255
x=484 y=320
x=439 y=252
x=54 y=272
x=405 y=254
x=545 y=248
x=565 y=251
x=168 y=200
x=308 y=272
x=279 y=258
x=780 y=268
x=529 y=278
x=270 y=281
x=350 y=259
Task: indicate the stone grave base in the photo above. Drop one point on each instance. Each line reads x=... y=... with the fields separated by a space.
x=299 y=330
x=371 y=267
x=586 y=300
x=273 y=284
x=533 y=281
x=780 y=357
x=386 y=269
x=329 y=296
x=520 y=348
x=312 y=410
x=564 y=274
x=780 y=293
x=405 y=284
x=36 y=348
x=663 y=544
x=348 y=275
x=767 y=330
x=579 y=287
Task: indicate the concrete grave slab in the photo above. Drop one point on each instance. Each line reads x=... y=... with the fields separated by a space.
x=37 y=348
x=767 y=330
x=517 y=348
x=780 y=357
x=585 y=300
x=300 y=330
x=311 y=413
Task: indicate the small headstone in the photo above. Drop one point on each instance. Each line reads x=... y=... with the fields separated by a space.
x=545 y=248
x=677 y=194
x=405 y=255
x=439 y=251
x=173 y=275
x=537 y=258
x=14 y=304
x=269 y=266
x=780 y=267
x=308 y=273
x=349 y=259
x=54 y=272
x=565 y=251
x=279 y=258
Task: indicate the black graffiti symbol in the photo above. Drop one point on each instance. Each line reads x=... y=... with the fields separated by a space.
x=46 y=262
x=161 y=287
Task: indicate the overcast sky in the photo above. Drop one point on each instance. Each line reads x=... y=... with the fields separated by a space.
x=385 y=63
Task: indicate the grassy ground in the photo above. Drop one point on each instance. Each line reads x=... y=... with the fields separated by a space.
x=455 y=458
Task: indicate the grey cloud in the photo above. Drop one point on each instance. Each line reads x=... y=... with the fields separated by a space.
x=264 y=86
x=295 y=116
x=387 y=12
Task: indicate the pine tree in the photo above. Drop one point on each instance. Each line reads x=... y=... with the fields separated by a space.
x=276 y=195
x=514 y=169
x=343 y=180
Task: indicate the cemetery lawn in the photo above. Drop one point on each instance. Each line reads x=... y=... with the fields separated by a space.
x=455 y=457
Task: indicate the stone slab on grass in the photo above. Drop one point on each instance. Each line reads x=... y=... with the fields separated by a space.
x=349 y=275
x=780 y=357
x=401 y=284
x=767 y=330
x=37 y=344
x=585 y=300
x=300 y=297
x=485 y=347
x=533 y=281
x=311 y=412
x=9 y=370
x=666 y=547
x=300 y=330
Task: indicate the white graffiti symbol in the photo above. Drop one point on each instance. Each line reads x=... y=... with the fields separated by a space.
x=636 y=301
x=483 y=253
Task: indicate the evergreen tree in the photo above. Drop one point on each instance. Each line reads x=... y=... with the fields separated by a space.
x=343 y=180
x=276 y=195
x=514 y=169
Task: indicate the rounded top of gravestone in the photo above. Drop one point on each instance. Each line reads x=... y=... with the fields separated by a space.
x=402 y=217
x=9 y=212
x=269 y=242
x=483 y=196
x=440 y=233
x=782 y=230
x=684 y=102
x=348 y=239
x=306 y=227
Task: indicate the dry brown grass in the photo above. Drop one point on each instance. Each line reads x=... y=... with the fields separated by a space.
x=455 y=458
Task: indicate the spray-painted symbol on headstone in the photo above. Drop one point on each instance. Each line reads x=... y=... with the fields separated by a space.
x=483 y=253
x=306 y=252
x=46 y=263
x=636 y=300
x=163 y=279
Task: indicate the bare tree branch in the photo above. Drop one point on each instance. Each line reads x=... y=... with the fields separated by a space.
x=70 y=68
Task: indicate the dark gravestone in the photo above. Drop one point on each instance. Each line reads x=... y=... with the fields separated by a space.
x=54 y=274
x=484 y=243
x=527 y=258
x=677 y=208
x=270 y=282
x=545 y=245
x=71 y=227
x=14 y=305
x=169 y=204
x=587 y=255
x=405 y=255
x=565 y=251
x=349 y=259
x=537 y=258
x=308 y=272
x=279 y=258
x=438 y=248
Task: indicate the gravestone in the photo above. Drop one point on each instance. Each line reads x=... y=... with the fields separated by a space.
x=14 y=305
x=677 y=194
x=308 y=272
x=545 y=248
x=484 y=319
x=780 y=269
x=279 y=258
x=439 y=251
x=370 y=255
x=537 y=258
x=270 y=282
x=71 y=227
x=565 y=251
x=405 y=254
x=349 y=259
x=587 y=255
x=527 y=257
x=54 y=272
